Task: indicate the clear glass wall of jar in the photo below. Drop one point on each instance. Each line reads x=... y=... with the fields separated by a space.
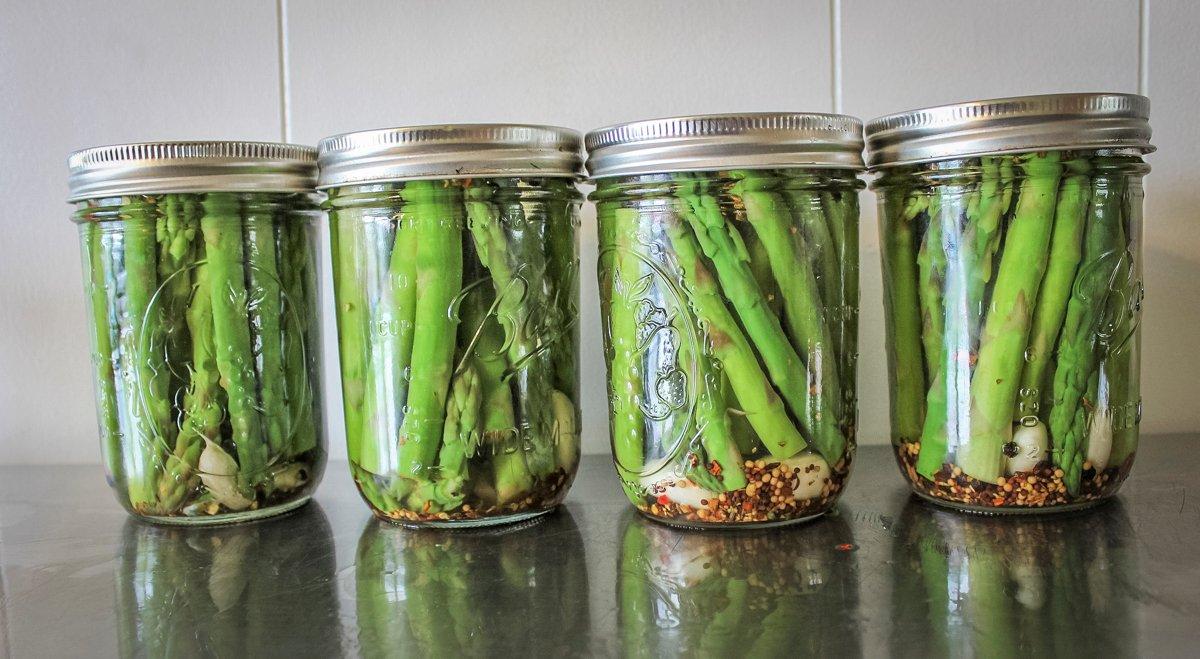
x=457 y=289
x=729 y=295
x=1013 y=287
x=201 y=283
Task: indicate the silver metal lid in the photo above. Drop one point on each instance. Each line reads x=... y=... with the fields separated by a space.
x=160 y=167
x=450 y=151
x=753 y=140
x=1006 y=125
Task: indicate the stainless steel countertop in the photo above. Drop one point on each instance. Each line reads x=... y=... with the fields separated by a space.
x=886 y=574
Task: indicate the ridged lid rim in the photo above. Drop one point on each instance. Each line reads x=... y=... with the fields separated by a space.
x=440 y=151
x=190 y=166
x=747 y=140
x=1091 y=120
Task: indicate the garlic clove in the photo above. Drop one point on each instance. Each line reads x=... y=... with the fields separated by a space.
x=812 y=473
x=566 y=440
x=681 y=491
x=1099 y=443
x=291 y=477
x=1029 y=446
x=218 y=472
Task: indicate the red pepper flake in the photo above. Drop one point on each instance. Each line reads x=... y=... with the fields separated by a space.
x=846 y=546
x=663 y=500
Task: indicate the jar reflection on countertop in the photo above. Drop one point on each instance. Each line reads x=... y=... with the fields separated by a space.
x=255 y=590
x=758 y=593
x=1031 y=586
x=516 y=590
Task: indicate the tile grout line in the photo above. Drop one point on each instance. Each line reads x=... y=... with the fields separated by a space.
x=285 y=82
x=1144 y=47
x=835 y=54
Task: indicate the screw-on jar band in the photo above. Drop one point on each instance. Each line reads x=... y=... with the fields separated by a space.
x=451 y=151
x=199 y=166
x=1006 y=125
x=757 y=140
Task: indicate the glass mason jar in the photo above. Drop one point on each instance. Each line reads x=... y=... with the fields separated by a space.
x=971 y=585
x=456 y=277
x=200 y=274
x=758 y=593
x=729 y=292
x=1012 y=234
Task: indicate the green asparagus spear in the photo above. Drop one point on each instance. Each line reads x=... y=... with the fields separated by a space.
x=931 y=267
x=1065 y=252
x=299 y=334
x=726 y=342
x=841 y=209
x=517 y=281
x=983 y=234
x=222 y=228
x=483 y=340
x=392 y=319
x=177 y=231
x=266 y=313
x=444 y=488
x=821 y=246
x=967 y=268
x=372 y=490
x=783 y=364
x=528 y=311
x=460 y=436
x=96 y=246
x=203 y=400
x=1121 y=371
x=902 y=312
x=436 y=214
x=808 y=329
x=1006 y=332
x=711 y=413
x=1120 y=340
x=625 y=363
x=148 y=409
x=352 y=318
x=760 y=266
x=950 y=377
x=1103 y=249
x=562 y=273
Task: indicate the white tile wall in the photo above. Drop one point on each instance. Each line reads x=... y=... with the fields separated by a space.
x=78 y=74
x=74 y=75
